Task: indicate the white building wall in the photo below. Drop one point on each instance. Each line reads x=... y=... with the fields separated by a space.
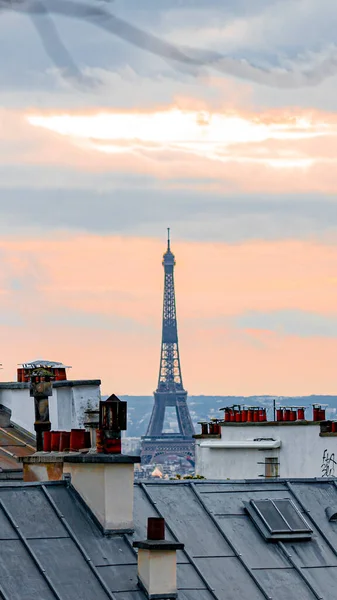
x=302 y=453
x=83 y=397
x=21 y=405
x=67 y=405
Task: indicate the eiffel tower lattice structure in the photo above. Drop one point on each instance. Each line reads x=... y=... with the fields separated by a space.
x=170 y=391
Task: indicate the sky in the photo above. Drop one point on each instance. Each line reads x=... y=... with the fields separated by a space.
x=217 y=118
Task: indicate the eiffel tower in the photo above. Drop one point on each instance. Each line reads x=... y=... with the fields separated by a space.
x=170 y=390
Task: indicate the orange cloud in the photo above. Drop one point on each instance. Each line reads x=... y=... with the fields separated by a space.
x=109 y=291
x=276 y=151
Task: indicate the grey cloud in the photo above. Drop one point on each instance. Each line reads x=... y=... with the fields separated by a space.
x=192 y=58
x=290 y=322
x=146 y=210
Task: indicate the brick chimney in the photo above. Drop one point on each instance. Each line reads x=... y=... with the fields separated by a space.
x=157 y=562
x=105 y=482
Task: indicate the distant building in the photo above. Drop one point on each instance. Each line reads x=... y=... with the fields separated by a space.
x=262 y=449
x=131 y=445
x=66 y=406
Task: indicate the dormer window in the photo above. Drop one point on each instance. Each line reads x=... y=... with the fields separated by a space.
x=278 y=520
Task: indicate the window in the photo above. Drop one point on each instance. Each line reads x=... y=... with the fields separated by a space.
x=271 y=468
x=278 y=519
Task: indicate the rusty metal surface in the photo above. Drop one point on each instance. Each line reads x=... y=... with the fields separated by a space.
x=43 y=472
x=7 y=439
x=8 y=462
x=14 y=444
x=21 y=435
x=18 y=450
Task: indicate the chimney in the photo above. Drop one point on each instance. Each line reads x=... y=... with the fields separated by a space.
x=105 y=482
x=102 y=476
x=157 y=562
x=104 y=479
x=91 y=424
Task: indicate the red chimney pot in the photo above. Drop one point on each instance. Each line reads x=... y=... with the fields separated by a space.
x=155 y=528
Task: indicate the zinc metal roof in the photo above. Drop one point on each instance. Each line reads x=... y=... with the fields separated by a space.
x=51 y=547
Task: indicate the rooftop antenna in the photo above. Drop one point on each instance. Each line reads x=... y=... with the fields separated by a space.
x=168 y=238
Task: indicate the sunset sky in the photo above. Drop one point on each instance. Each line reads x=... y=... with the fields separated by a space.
x=217 y=118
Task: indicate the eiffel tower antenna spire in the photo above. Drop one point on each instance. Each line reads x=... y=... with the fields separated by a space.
x=168 y=238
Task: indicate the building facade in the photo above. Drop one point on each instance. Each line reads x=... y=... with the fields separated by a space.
x=67 y=405
x=267 y=449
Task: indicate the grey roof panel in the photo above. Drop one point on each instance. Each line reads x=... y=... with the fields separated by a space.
x=32 y=512
x=229 y=578
x=19 y=577
x=61 y=559
x=226 y=487
x=315 y=499
x=283 y=584
x=194 y=595
x=130 y=596
x=142 y=510
x=315 y=554
x=7 y=531
x=189 y=522
x=249 y=542
x=324 y=581
x=188 y=578
x=232 y=503
x=102 y=550
x=121 y=578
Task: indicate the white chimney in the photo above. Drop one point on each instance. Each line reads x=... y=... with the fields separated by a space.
x=105 y=482
x=91 y=424
x=157 y=562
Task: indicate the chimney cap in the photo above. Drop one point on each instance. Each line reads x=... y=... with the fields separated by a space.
x=101 y=458
x=158 y=545
x=156 y=537
x=51 y=364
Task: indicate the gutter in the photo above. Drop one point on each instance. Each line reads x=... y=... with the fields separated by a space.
x=244 y=444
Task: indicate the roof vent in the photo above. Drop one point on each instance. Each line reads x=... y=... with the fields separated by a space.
x=278 y=520
x=331 y=513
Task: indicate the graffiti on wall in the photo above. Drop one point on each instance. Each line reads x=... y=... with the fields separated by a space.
x=328 y=464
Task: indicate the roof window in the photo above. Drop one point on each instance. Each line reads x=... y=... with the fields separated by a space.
x=278 y=520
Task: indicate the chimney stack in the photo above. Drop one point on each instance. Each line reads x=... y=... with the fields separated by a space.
x=105 y=482
x=41 y=388
x=157 y=562
x=101 y=475
x=92 y=424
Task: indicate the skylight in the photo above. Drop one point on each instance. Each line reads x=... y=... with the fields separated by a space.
x=278 y=519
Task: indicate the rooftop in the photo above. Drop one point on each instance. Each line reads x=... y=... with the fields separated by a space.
x=18 y=385
x=51 y=547
x=51 y=364
x=14 y=443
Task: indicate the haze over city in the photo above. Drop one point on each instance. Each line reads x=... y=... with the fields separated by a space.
x=237 y=155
